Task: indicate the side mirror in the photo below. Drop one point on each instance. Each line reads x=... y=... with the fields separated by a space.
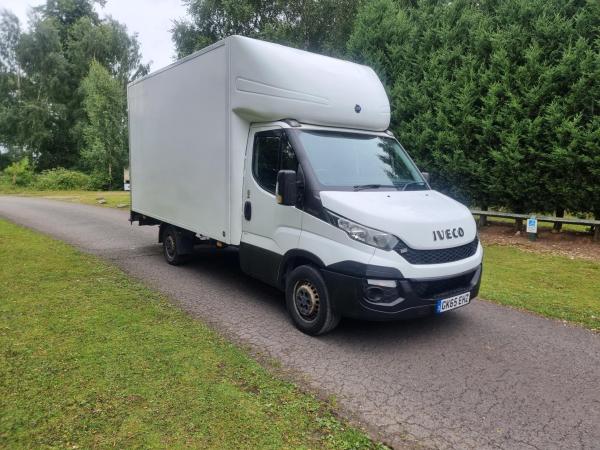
x=427 y=176
x=286 y=190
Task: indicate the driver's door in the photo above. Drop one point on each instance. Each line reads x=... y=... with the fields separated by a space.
x=269 y=230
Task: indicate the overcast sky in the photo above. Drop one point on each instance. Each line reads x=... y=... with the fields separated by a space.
x=151 y=19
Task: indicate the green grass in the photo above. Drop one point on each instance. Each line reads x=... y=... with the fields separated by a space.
x=554 y=286
x=91 y=359
x=112 y=198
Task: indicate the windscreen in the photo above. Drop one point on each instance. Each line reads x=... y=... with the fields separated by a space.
x=357 y=161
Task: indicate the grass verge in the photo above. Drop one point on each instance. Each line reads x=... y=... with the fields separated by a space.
x=90 y=358
x=554 y=286
x=112 y=199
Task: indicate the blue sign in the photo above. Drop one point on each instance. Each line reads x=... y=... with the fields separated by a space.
x=532 y=225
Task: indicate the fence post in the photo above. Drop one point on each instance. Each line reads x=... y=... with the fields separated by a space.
x=560 y=212
x=519 y=224
x=482 y=220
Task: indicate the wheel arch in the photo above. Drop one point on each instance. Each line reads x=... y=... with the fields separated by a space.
x=294 y=258
x=185 y=238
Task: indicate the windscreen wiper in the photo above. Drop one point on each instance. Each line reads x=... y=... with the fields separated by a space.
x=360 y=187
x=410 y=183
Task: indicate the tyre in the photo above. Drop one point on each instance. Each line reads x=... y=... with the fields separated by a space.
x=308 y=303
x=173 y=244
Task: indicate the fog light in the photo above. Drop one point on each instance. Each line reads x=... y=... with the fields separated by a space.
x=383 y=283
x=374 y=294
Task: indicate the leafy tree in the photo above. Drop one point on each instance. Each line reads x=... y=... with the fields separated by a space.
x=316 y=25
x=46 y=118
x=105 y=132
x=10 y=76
x=10 y=32
x=498 y=98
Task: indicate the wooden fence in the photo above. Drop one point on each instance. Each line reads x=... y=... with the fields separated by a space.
x=594 y=224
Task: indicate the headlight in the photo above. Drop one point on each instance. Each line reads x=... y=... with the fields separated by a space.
x=366 y=235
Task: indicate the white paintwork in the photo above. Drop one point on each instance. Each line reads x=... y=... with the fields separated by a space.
x=272 y=226
x=333 y=245
x=413 y=216
x=272 y=82
x=179 y=162
x=189 y=124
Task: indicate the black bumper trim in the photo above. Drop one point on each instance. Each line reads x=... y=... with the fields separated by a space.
x=357 y=269
x=347 y=293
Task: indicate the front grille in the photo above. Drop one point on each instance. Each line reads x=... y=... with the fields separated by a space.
x=447 y=286
x=440 y=256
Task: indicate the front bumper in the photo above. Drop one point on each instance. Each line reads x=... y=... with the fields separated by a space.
x=352 y=296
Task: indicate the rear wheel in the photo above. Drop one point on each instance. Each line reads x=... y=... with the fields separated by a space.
x=308 y=303
x=173 y=245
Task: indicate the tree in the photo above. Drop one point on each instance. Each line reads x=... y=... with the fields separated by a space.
x=105 y=131
x=497 y=98
x=10 y=75
x=46 y=119
x=10 y=33
x=317 y=25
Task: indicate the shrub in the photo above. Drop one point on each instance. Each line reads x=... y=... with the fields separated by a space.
x=99 y=181
x=6 y=185
x=63 y=180
x=19 y=173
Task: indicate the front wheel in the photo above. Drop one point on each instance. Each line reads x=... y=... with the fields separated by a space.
x=308 y=303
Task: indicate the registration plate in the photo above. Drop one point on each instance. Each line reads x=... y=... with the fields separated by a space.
x=447 y=304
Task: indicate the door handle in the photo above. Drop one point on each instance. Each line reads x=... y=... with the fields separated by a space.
x=248 y=210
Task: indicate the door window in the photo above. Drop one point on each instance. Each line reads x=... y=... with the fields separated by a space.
x=272 y=153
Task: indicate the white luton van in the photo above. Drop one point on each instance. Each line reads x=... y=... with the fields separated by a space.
x=286 y=155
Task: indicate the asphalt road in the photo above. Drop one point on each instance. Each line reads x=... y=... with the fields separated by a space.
x=481 y=377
